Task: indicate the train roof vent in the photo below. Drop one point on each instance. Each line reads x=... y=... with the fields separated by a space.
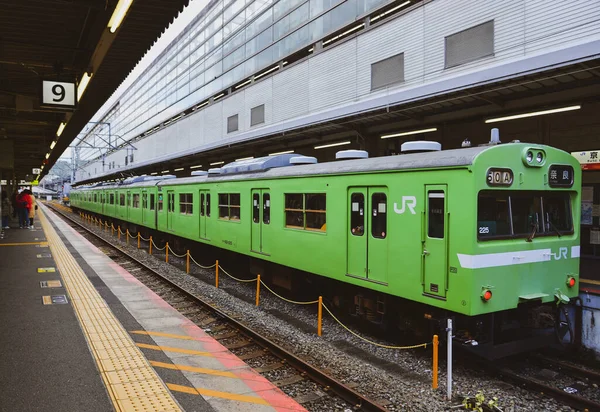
x=421 y=146
x=258 y=164
x=351 y=154
x=164 y=177
x=199 y=173
x=303 y=160
x=214 y=171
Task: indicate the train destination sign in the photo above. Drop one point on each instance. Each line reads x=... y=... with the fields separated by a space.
x=560 y=176
x=499 y=177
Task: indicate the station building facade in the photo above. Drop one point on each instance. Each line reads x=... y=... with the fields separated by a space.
x=244 y=71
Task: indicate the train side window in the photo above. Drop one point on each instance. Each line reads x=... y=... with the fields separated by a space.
x=136 y=200
x=160 y=202
x=112 y=198
x=379 y=215
x=186 y=203
x=266 y=208
x=95 y=197
x=201 y=204
x=294 y=210
x=256 y=208
x=229 y=206
x=122 y=199
x=436 y=214
x=357 y=214
x=208 y=205
x=152 y=201
x=316 y=208
x=145 y=200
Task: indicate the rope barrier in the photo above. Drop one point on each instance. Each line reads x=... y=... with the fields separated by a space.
x=130 y=235
x=175 y=254
x=144 y=239
x=202 y=267
x=288 y=300
x=158 y=248
x=239 y=280
x=421 y=345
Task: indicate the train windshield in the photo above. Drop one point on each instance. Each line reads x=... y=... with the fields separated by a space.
x=523 y=214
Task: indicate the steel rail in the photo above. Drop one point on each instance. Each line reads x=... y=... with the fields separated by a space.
x=344 y=392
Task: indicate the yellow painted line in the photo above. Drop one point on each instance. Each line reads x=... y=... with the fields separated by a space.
x=45 y=270
x=177 y=350
x=24 y=244
x=217 y=394
x=131 y=382
x=47 y=300
x=164 y=335
x=186 y=368
x=590 y=281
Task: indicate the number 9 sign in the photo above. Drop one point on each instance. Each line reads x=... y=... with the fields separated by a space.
x=58 y=94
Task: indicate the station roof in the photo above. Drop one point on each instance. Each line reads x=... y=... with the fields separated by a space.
x=60 y=40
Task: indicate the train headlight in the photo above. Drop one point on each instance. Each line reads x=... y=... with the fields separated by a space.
x=571 y=281
x=529 y=156
x=539 y=157
x=486 y=295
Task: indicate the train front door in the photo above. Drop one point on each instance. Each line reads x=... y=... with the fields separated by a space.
x=170 y=209
x=261 y=220
x=435 y=241
x=204 y=214
x=367 y=245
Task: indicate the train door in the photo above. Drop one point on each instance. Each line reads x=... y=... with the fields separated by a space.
x=367 y=233
x=204 y=214
x=261 y=220
x=435 y=241
x=128 y=206
x=170 y=209
x=145 y=207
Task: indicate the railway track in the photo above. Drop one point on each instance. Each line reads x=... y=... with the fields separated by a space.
x=308 y=385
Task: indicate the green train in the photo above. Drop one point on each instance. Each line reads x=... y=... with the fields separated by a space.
x=488 y=235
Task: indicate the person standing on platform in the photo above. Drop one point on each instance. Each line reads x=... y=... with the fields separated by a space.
x=32 y=207
x=6 y=209
x=23 y=209
x=13 y=201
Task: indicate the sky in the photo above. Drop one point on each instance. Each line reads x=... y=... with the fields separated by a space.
x=179 y=24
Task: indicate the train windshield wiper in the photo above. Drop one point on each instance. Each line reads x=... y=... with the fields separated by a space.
x=532 y=234
x=555 y=228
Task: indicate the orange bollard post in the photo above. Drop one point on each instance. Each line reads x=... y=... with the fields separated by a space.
x=167 y=253
x=257 y=290
x=105 y=226
x=112 y=229
x=127 y=234
x=119 y=232
x=217 y=274
x=138 y=240
x=187 y=263
x=150 y=247
x=320 y=317
x=436 y=343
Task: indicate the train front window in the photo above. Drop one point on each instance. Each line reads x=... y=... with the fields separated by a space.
x=523 y=214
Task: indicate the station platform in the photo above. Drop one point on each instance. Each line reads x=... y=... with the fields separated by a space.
x=83 y=334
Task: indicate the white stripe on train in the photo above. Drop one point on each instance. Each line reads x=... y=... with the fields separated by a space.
x=491 y=260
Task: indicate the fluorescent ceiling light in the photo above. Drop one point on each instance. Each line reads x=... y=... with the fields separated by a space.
x=165 y=171
x=196 y=167
x=243 y=84
x=218 y=96
x=52 y=144
x=244 y=158
x=332 y=145
x=387 y=136
x=272 y=69
x=279 y=153
x=532 y=114
x=61 y=127
x=119 y=14
x=47 y=155
x=178 y=169
x=343 y=34
x=201 y=105
x=217 y=163
x=85 y=79
x=153 y=174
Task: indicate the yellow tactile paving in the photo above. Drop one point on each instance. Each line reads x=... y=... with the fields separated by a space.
x=132 y=383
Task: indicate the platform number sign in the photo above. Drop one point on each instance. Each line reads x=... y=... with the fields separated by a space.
x=58 y=94
x=499 y=177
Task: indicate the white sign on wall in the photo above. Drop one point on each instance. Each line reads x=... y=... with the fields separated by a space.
x=58 y=94
x=36 y=171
